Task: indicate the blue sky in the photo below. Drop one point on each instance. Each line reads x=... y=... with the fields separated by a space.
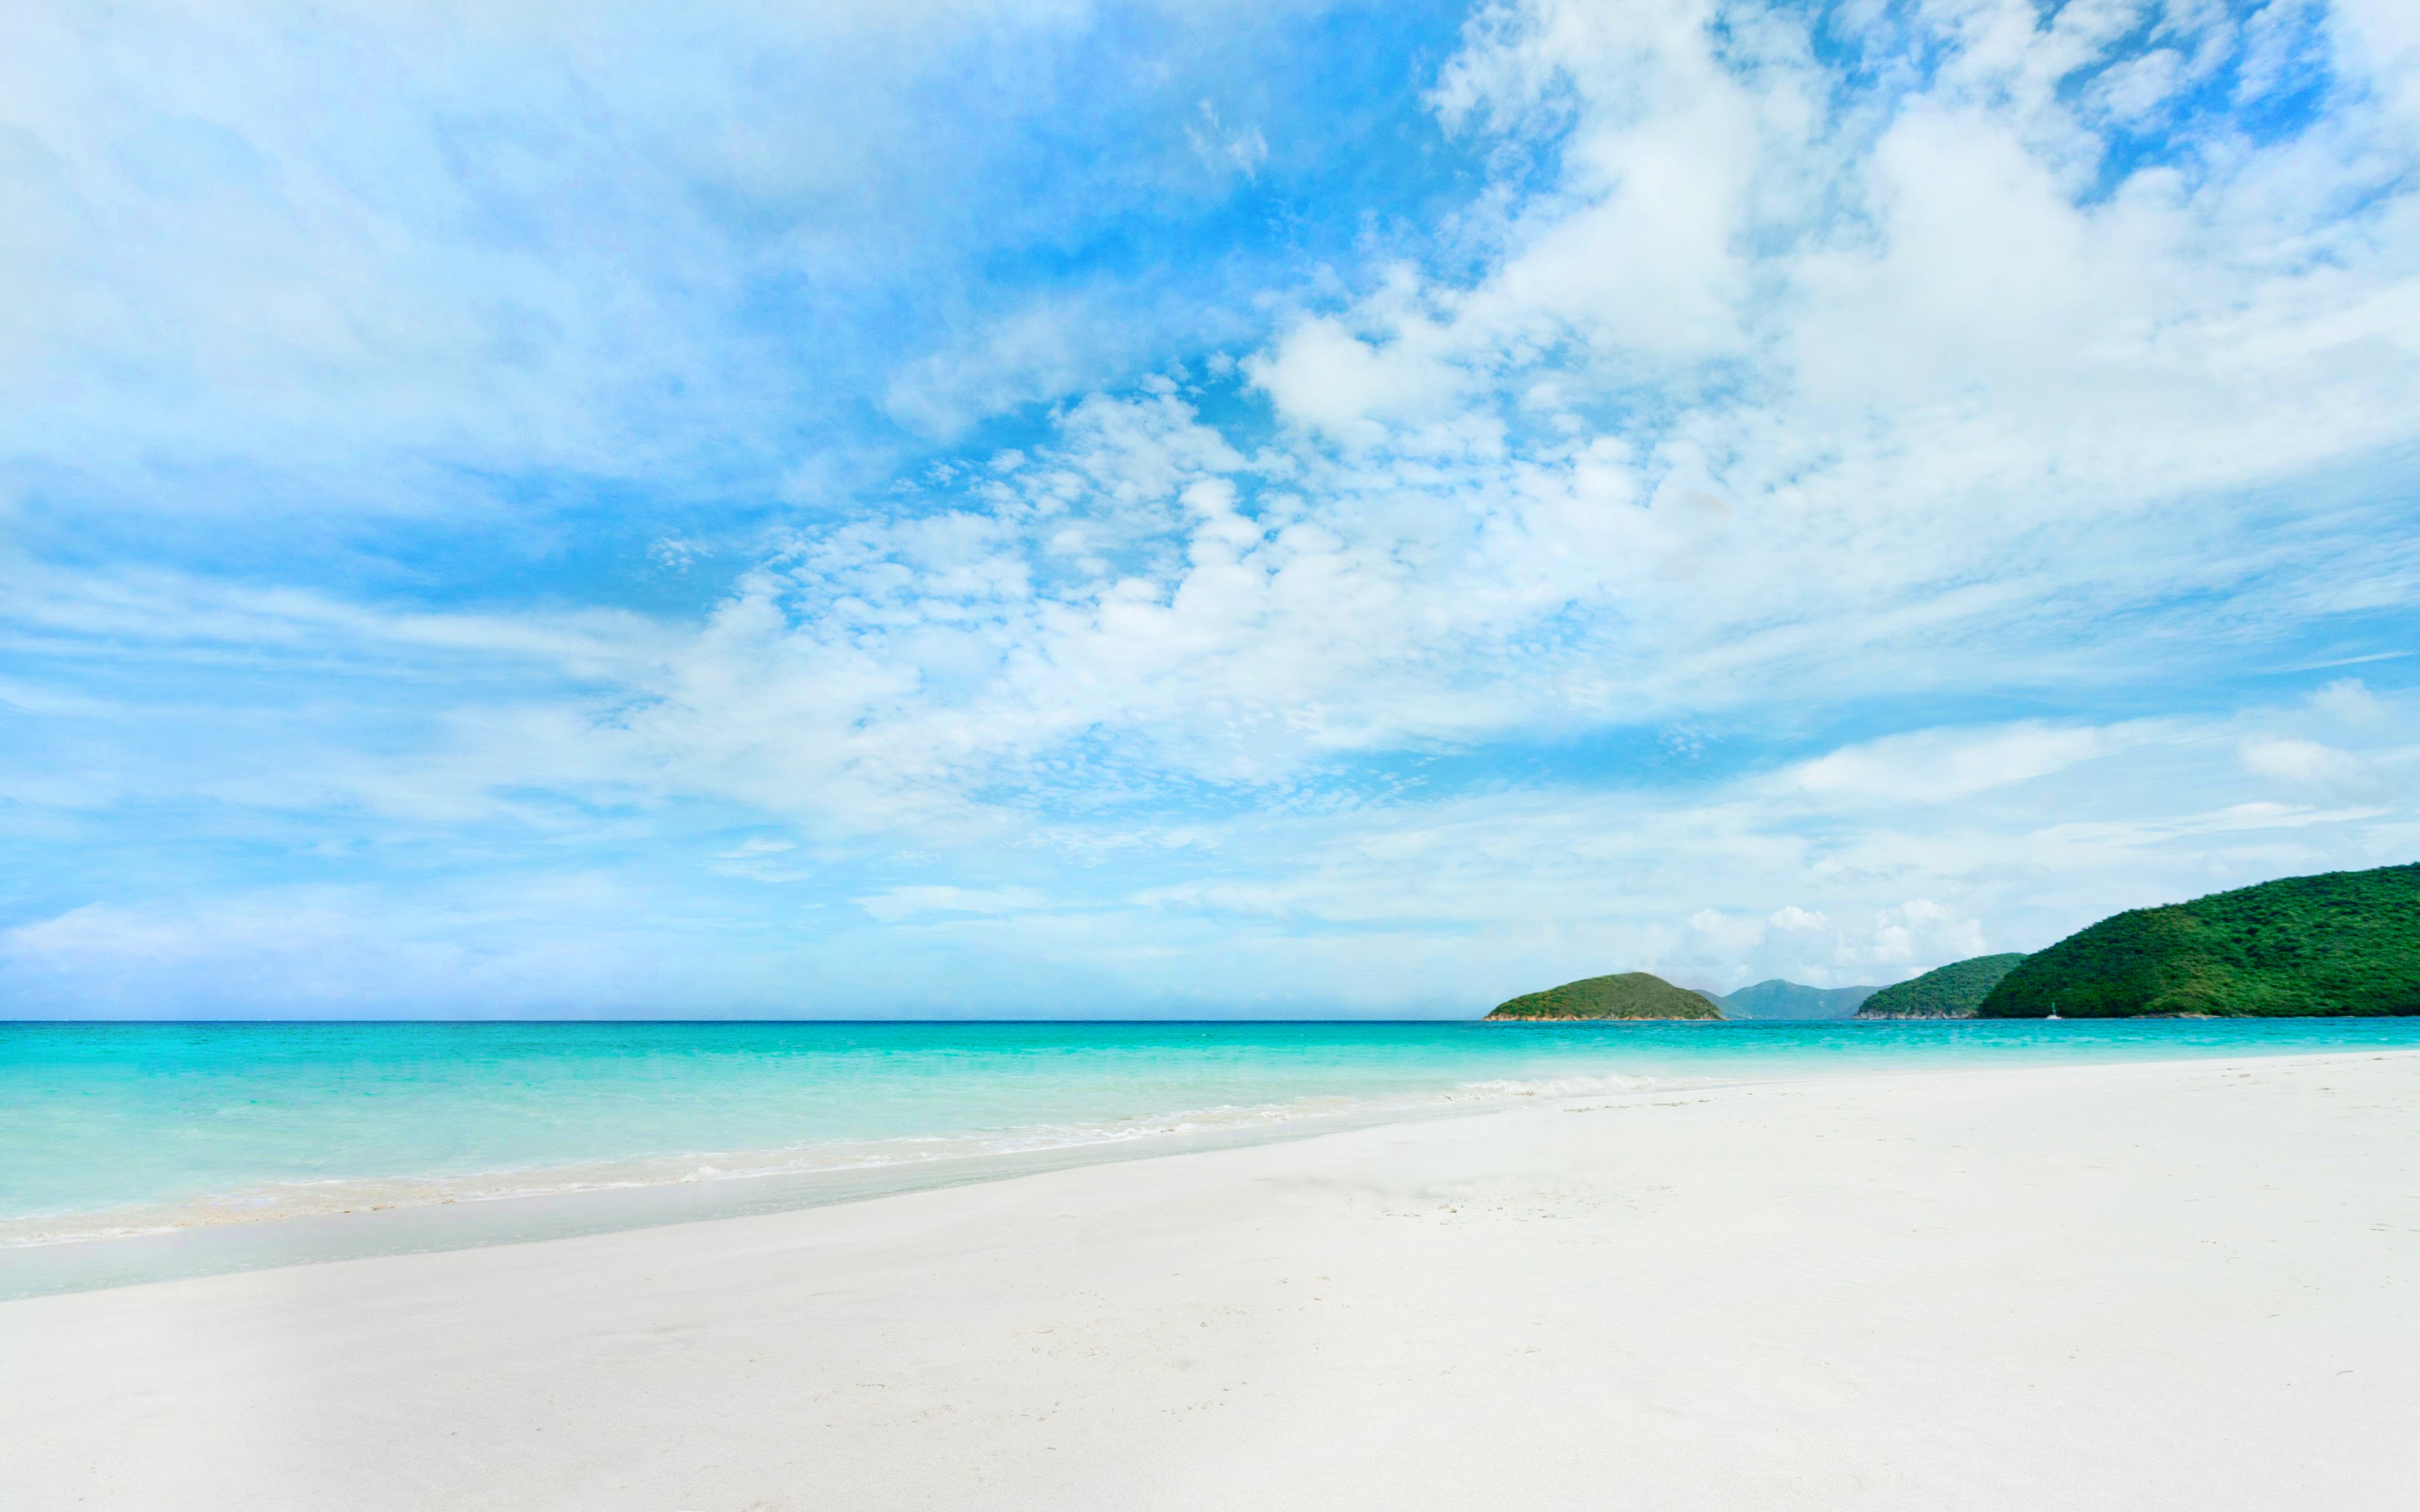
x=1315 y=509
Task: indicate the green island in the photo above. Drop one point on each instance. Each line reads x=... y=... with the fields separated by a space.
x=1955 y=991
x=1628 y=994
x=2342 y=943
x=1777 y=999
x=2338 y=944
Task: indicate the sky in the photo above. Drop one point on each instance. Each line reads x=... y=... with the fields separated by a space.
x=521 y=509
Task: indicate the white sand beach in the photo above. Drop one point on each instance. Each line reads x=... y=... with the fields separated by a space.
x=2150 y=1287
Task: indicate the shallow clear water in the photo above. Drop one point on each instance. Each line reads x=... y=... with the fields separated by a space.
x=122 y=1128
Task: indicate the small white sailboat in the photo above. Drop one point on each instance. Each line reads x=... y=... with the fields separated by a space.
x=2053 y=1008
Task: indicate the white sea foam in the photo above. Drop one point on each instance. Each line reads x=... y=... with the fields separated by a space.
x=283 y=1199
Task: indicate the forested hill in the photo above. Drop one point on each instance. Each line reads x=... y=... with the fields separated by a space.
x=1779 y=999
x=1955 y=991
x=2339 y=943
x=1629 y=994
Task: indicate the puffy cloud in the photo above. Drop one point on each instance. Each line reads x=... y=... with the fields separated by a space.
x=1878 y=946
x=1322 y=376
x=2309 y=766
x=2347 y=698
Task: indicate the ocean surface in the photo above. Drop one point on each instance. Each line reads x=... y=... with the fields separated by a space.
x=124 y=1129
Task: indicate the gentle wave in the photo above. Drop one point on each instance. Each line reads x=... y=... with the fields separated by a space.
x=273 y=1201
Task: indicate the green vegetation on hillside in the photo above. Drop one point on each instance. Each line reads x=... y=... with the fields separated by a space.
x=1955 y=991
x=2340 y=943
x=1779 y=999
x=1631 y=995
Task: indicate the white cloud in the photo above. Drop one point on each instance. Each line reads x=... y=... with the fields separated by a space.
x=2347 y=698
x=2135 y=89
x=1876 y=946
x=1226 y=149
x=2308 y=766
x=1957 y=413
x=255 y=272
x=1320 y=375
x=1821 y=424
x=1409 y=901
x=2379 y=42
x=1936 y=765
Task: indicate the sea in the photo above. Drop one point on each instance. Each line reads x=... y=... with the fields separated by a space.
x=115 y=1131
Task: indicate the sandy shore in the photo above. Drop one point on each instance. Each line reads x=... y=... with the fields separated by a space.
x=2166 y=1286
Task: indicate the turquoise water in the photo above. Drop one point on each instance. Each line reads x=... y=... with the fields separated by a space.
x=125 y=1128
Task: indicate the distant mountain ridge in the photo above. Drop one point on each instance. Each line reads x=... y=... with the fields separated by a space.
x=1779 y=999
x=1955 y=991
x=1629 y=994
x=2338 y=943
